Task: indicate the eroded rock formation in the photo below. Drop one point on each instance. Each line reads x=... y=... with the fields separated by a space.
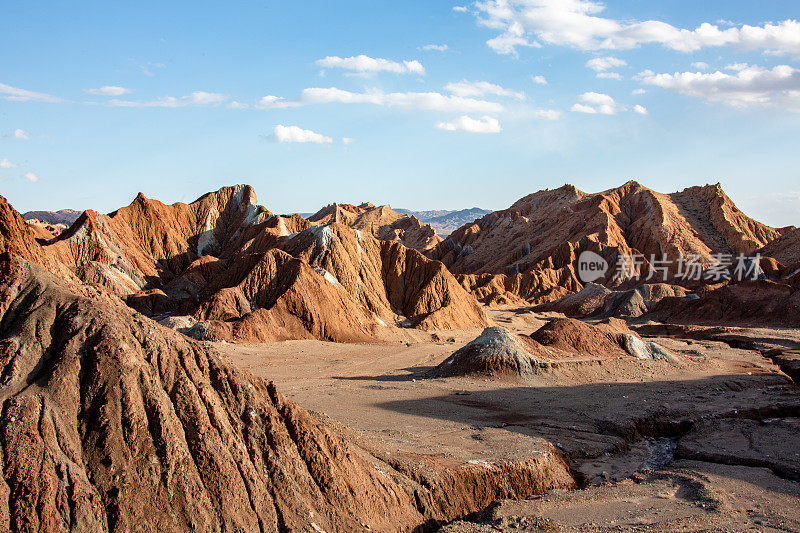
x=530 y=250
x=225 y=268
x=112 y=422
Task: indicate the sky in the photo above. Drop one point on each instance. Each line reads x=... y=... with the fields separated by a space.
x=419 y=104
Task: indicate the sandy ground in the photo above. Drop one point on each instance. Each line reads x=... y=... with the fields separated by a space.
x=707 y=443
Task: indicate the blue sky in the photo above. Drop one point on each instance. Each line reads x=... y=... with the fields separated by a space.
x=319 y=101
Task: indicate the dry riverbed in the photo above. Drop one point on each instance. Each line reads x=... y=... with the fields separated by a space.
x=706 y=443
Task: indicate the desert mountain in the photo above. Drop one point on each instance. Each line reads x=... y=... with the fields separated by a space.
x=62 y=216
x=224 y=267
x=112 y=422
x=529 y=251
x=381 y=222
x=446 y=222
x=387 y=279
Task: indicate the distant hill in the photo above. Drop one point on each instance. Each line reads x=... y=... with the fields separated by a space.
x=383 y=222
x=446 y=222
x=531 y=249
x=63 y=216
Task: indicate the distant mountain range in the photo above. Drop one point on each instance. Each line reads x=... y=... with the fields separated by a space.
x=443 y=221
x=63 y=216
x=446 y=222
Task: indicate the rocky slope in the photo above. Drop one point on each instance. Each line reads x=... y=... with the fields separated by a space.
x=17 y=237
x=111 y=422
x=786 y=251
x=753 y=303
x=381 y=222
x=530 y=250
x=392 y=282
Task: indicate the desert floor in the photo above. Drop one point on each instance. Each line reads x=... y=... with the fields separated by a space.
x=709 y=443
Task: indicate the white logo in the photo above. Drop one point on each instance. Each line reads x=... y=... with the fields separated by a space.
x=591 y=266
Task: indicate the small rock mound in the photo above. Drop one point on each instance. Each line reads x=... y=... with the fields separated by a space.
x=597 y=301
x=495 y=352
x=611 y=338
x=570 y=335
x=589 y=301
x=637 y=302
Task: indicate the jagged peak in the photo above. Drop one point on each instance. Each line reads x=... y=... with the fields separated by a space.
x=633 y=184
x=569 y=188
x=240 y=191
x=88 y=221
x=629 y=187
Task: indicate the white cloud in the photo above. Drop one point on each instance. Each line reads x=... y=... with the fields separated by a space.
x=369 y=65
x=581 y=108
x=148 y=68
x=197 y=98
x=642 y=110
x=17 y=134
x=751 y=85
x=294 y=134
x=595 y=103
x=601 y=64
x=547 y=114
x=267 y=102
x=464 y=123
x=596 y=98
x=348 y=140
x=736 y=67
x=434 y=47
x=108 y=90
x=700 y=65
x=638 y=92
x=576 y=23
x=5 y=163
x=460 y=9
x=539 y=80
x=30 y=176
x=508 y=41
x=430 y=101
x=609 y=75
x=474 y=89
x=22 y=95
